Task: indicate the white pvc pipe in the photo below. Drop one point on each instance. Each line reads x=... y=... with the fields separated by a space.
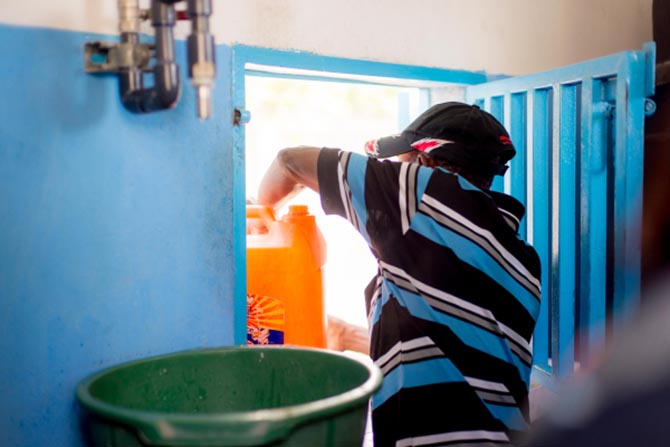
x=129 y=16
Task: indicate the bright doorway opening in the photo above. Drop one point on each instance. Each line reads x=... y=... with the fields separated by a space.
x=288 y=112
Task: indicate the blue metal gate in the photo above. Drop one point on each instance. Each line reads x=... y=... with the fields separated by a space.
x=579 y=134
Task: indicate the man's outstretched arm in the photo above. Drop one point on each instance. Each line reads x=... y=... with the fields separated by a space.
x=292 y=170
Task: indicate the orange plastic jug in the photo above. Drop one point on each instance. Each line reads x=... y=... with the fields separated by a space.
x=285 y=260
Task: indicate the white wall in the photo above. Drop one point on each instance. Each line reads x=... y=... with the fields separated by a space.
x=497 y=36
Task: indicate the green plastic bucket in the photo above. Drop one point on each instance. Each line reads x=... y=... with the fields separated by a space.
x=236 y=396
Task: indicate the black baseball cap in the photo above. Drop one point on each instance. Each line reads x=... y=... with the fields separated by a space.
x=458 y=133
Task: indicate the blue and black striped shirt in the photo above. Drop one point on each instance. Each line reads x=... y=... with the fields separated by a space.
x=454 y=304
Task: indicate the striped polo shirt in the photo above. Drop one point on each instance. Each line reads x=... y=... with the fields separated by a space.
x=454 y=303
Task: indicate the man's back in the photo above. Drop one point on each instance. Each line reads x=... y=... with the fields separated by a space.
x=454 y=304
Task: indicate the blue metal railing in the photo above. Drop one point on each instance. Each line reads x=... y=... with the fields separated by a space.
x=579 y=134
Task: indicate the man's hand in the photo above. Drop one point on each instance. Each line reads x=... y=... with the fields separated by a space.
x=292 y=170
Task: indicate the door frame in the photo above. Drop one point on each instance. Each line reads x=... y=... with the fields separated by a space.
x=303 y=65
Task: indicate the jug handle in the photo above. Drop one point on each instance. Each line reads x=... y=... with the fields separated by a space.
x=263 y=213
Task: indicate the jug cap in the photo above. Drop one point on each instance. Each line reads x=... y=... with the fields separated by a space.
x=298 y=210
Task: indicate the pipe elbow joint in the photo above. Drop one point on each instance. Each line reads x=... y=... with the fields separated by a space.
x=167 y=99
x=168 y=86
x=163 y=95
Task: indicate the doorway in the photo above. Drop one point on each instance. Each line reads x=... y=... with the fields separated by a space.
x=288 y=98
x=288 y=112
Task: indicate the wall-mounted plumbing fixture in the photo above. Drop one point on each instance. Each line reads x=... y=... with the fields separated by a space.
x=132 y=59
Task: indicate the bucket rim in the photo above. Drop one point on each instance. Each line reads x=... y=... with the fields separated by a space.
x=272 y=424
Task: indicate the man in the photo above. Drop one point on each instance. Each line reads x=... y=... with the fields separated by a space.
x=454 y=304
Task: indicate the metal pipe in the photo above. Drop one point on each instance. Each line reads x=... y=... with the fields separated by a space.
x=130 y=78
x=129 y=16
x=201 y=68
x=166 y=90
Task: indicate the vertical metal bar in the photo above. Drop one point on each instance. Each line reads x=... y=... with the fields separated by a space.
x=530 y=159
x=507 y=122
x=593 y=220
x=518 y=174
x=495 y=106
x=554 y=202
x=563 y=223
x=539 y=213
x=628 y=173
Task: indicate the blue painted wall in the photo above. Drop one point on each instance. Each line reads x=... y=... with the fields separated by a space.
x=116 y=237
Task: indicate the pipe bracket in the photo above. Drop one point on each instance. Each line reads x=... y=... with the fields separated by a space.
x=111 y=57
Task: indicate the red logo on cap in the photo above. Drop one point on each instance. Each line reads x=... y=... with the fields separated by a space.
x=372 y=148
x=428 y=144
x=505 y=140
